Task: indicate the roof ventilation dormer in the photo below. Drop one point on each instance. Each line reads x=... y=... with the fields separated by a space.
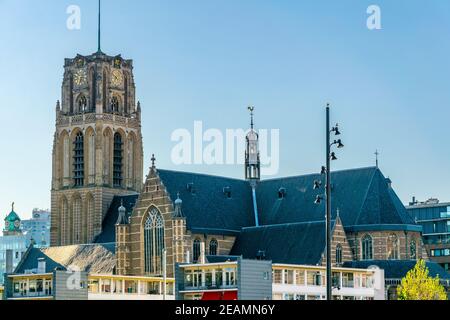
x=261 y=255
x=227 y=192
x=190 y=188
x=281 y=193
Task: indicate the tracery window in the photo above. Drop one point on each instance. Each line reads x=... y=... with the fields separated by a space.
x=115 y=104
x=196 y=250
x=154 y=242
x=392 y=247
x=78 y=160
x=118 y=160
x=338 y=254
x=367 y=248
x=413 y=250
x=213 y=247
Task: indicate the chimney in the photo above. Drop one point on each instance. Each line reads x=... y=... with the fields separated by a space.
x=41 y=266
x=9 y=261
x=202 y=258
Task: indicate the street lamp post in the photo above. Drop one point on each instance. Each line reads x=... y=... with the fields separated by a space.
x=328 y=204
x=317 y=184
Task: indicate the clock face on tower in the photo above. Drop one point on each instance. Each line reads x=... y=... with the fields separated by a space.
x=80 y=77
x=17 y=223
x=117 y=78
x=7 y=224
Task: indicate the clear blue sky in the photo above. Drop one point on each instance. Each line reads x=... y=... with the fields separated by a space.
x=208 y=59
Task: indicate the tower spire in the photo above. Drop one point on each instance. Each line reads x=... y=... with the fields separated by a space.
x=99 y=25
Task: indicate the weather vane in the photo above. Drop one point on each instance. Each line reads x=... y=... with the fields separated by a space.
x=251 y=109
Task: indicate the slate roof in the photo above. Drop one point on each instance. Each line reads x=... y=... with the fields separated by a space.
x=292 y=243
x=397 y=269
x=208 y=208
x=108 y=234
x=93 y=258
x=362 y=196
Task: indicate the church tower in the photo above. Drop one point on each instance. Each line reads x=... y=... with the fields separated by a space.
x=97 y=149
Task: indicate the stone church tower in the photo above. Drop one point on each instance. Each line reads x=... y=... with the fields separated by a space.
x=97 y=149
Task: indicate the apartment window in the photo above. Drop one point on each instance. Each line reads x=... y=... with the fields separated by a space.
x=314 y=278
x=288 y=276
x=188 y=279
x=347 y=280
x=300 y=277
x=208 y=278
x=230 y=277
x=336 y=279
x=219 y=277
x=277 y=276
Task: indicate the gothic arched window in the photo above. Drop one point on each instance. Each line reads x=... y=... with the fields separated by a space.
x=213 y=247
x=338 y=254
x=78 y=160
x=413 y=250
x=154 y=242
x=366 y=248
x=115 y=105
x=90 y=211
x=196 y=250
x=392 y=247
x=118 y=160
x=76 y=215
x=82 y=104
x=65 y=223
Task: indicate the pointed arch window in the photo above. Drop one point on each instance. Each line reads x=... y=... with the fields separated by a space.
x=367 y=248
x=196 y=250
x=392 y=247
x=76 y=214
x=339 y=254
x=78 y=160
x=213 y=244
x=115 y=105
x=154 y=242
x=413 y=250
x=118 y=160
x=64 y=226
x=82 y=104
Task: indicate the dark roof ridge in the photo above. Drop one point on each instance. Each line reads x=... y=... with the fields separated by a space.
x=202 y=174
x=286 y=224
x=315 y=174
x=271 y=179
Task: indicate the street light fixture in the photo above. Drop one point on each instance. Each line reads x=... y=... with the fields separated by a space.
x=330 y=156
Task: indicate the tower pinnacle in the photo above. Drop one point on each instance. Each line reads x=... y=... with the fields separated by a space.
x=99 y=25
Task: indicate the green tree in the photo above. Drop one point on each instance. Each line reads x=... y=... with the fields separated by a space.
x=418 y=285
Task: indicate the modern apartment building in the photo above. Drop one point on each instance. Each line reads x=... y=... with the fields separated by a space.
x=434 y=217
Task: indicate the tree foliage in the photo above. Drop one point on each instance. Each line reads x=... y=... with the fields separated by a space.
x=419 y=285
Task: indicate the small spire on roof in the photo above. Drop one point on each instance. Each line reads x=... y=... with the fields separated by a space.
x=376 y=157
x=12 y=207
x=153 y=159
